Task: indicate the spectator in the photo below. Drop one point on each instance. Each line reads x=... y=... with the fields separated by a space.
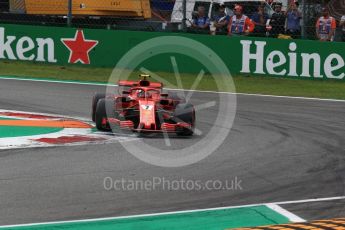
x=277 y=21
x=342 y=26
x=239 y=23
x=270 y=2
x=221 y=20
x=259 y=19
x=293 y=26
x=201 y=22
x=296 y=3
x=325 y=26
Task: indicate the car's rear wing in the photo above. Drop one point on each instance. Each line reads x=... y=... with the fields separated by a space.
x=143 y=83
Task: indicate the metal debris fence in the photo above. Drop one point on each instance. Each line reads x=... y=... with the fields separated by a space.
x=156 y=15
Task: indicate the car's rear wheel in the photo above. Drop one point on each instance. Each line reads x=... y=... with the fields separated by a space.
x=104 y=109
x=185 y=113
x=95 y=99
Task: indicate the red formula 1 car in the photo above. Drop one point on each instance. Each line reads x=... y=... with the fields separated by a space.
x=143 y=108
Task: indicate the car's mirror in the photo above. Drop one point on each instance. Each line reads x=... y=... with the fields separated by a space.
x=164 y=102
x=125 y=99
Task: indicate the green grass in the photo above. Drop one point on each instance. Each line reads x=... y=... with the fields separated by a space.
x=244 y=84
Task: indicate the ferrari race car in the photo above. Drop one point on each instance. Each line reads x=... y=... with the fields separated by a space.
x=143 y=108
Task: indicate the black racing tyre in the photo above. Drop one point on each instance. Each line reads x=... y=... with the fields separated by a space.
x=185 y=113
x=104 y=109
x=95 y=100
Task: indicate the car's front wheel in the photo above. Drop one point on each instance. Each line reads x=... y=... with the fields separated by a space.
x=95 y=99
x=104 y=109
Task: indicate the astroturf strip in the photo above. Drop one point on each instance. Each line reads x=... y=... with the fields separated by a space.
x=193 y=220
x=318 y=88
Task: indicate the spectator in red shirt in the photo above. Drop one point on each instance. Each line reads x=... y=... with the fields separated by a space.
x=239 y=23
x=325 y=26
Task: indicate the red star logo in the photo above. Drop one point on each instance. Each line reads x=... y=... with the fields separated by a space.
x=79 y=48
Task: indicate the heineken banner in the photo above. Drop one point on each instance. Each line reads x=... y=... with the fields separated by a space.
x=242 y=55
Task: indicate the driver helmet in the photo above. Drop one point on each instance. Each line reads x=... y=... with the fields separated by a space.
x=140 y=93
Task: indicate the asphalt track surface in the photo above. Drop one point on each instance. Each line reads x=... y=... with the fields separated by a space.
x=282 y=149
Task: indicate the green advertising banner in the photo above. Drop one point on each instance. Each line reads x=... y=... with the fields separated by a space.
x=242 y=55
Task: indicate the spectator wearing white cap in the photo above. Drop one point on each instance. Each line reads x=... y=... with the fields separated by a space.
x=277 y=21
